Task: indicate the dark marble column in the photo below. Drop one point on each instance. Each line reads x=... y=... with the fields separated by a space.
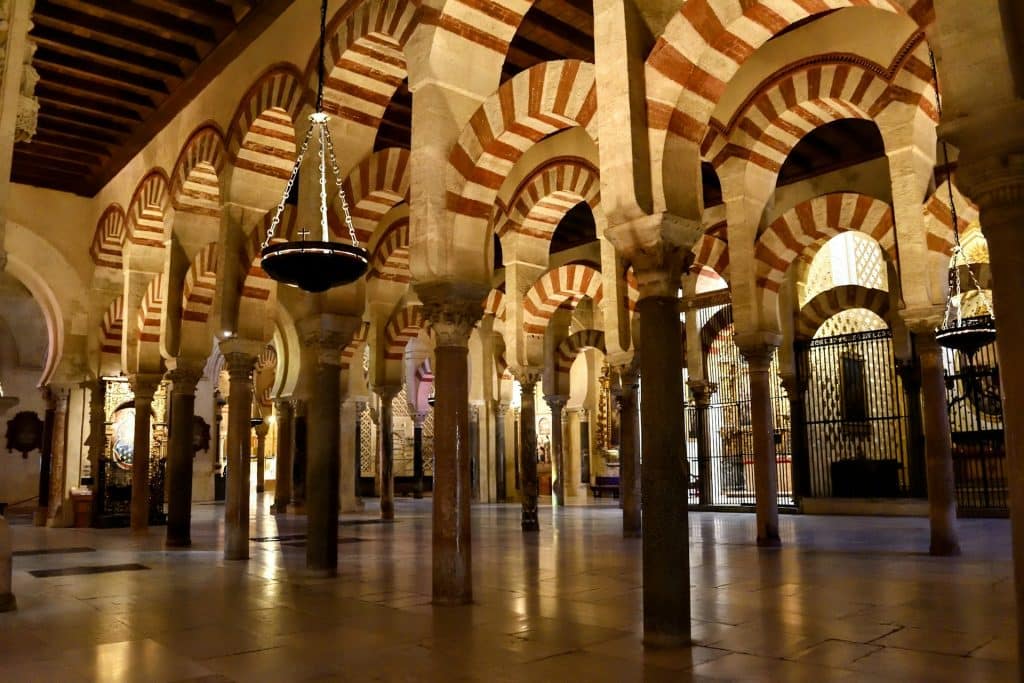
x=584 y=446
x=762 y=424
x=701 y=391
x=184 y=377
x=800 y=452
x=452 y=313
x=474 y=451
x=45 y=458
x=666 y=538
x=144 y=387
x=528 y=378
x=261 y=430
x=417 y=455
x=500 y=411
x=387 y=451
x=909 y=372
x=557 y=405
x=240 y=359
x=8 y=602
x=629 y=452
x=97 y=441
x=300 y=433
x=285 y=449
x=938 y=447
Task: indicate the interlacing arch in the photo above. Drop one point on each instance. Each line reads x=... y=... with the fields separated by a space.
x=938 y=219
x=791 y=234
x=261 y=138
x=364 y=60
x=542 y=100
x=111 y=328
x=390 y=259
x=147 y=208
x=495 y=304
x=196 y=180
x=201 y=285
x=816 y=91
x=566 y=284
x=836 y=300
x=572 y=345
x=107 y=249
x=151 y=311
x=711 y=252
x=465 y=19
x=546 y=195
x=374 y=187
x=348 y=354
x=405 y=324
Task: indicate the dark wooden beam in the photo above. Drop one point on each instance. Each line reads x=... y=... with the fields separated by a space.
x=82 y=86
x=49 y=96
x=146 y=19
x=100 y=73
x=41 y=147
x=68 y=43
x=77 y=129
x=74 y=143
x=200 y=11
x=61 y=116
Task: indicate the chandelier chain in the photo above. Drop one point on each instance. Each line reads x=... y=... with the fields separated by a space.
x=288 y=189
x=341 y=190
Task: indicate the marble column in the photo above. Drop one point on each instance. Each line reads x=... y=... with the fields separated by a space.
x=584 y=446
x=7 y=600
x=762 y=425
x=387 y=450
x=629 y=452
x=347 y=484
x=97 y=441
x=285 y=448
x=452 y=315
x=800 y=452
x=360 y=409
x=300 y=433
x=184 y=377
x=938 y=448
x=701 y=391
x=417 y=454
x=558 y=489
x=240 y=359
x=45 y=458
x=528 y=378
x=500 y=411
x=666 y=537
x=262 y=429
x=56 y=513
x=144 y=387
x=909 y=372
x=474 y=451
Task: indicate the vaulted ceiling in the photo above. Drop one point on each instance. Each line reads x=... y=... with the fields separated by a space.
x=112 y=74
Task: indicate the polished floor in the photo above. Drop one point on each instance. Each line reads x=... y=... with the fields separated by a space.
x=846 y=599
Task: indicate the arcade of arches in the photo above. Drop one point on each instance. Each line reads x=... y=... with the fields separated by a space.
x=673 y=264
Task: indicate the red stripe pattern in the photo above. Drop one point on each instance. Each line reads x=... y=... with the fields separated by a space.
x=373 y=188
x=195 y=182
x=836 y=300
x=572 y=345
x=564 y=285
x=146 y=210
x=108 y=241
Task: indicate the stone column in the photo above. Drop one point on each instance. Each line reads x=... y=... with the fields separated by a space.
x=97 y=441
x=800 y=452
x=500 y=410
x=144 y=387
x=58 y=458
x=7 y=600
x=701 y=391
x=474 y=451
x=45 y=457
x=557 y=405
x=285 y=448
x=629 y=452
x=528 y=378
x=360 y=409
x=762 y=424
x=387 y=451
x=349 y=457
x=184 y=377
x=585 y=446
x=262 y=429
x=417 y=455
x=938 y=448
x=240 y=358
x=909 y=372
x=452 y=314
x=300 y=433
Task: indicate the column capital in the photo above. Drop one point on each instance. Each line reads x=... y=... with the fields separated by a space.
x=757 y=348
x=184 y=374
x=500 y=408
x=557 y=402
x=285 y=408
x=387 y=392
x=527 y=376
x=701 y=390
x=144 y=385
x=794 y=385
x=262 y=429
x=240 y=365
x=923 y=321
x=453 y=309
x=656 y=246
x=327 y=335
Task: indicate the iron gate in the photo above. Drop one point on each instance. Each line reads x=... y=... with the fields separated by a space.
x=857 y=433
x=976 y=428
x=728 y=418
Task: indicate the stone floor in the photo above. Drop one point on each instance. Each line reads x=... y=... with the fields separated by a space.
x=846 y=599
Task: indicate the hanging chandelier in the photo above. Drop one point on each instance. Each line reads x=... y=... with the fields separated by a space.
x=966 y=334
x=316 y=265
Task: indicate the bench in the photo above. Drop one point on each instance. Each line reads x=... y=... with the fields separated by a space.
x=603 y=485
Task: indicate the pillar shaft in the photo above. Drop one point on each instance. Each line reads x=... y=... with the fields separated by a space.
x=937 y=446
x=387 y=452
x=800 y=452
x=762 y=424
x=323 y=468
x=528 y=448
x=629 y=453
x=144 y=388
x=349 y=457
x=557 y=404
x=417 y=456
x=237 y=449
x=285 y=449
x=45 y=457
x=261 y=456
x=666 y=562
x=701 y=392
x=501 y=487
x=97 y=442
x=180 y=456
x=300 y=433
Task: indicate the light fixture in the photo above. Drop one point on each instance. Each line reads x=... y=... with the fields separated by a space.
x=316 y=265
x=964 y=334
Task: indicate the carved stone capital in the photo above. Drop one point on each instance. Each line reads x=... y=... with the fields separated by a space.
x=527 y=377
x=453 y=309
x=144 y=385
x=240 y=366
x=794 y=385
x=656 y=246
x=500 y=408
x=328 y=335
x=758 y=356
x=923 y=321
x=701 y=390
x=184 y=374
x=285 y=408
x=387 y=393
x=262 y=429
x=556 y=403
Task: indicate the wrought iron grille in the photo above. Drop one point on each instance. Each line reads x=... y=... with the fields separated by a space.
x=976 y=427
x=728 y=419
x=857 y=433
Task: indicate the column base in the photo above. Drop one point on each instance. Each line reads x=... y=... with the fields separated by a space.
x=39 y=516
x=451 y=601
x=666 y=641
x=533 y=525
x=178 y=543
x=944 y=548
x=8 y=603
x=320 y=573
x=769 y=542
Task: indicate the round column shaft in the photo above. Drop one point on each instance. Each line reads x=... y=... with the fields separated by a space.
x=180 y=455
x=144 y=387
x=240 y=365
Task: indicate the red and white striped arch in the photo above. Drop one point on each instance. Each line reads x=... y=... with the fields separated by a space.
x=816 y=91
x=494 y=304
x=405 y=324
x=489 y=23
x=836 y=300
x=365 y=60
x=112 y=329
x=711 y=252
x=107 y=249
x=261 y=138
x=390 y=259
x=546 y=195
x=147 y=209
x=374 y=187
x=200 y=285
x=938 y=219
x=792 y=234
x=151 y=309
x=196 y=179
x=572 y=345
x=542 y=100
x=352 y=350
x=566 y=284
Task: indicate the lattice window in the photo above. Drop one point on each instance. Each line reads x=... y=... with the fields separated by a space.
x=850 y=258
x=367 y=454
x=850 y=321
x=868 y=264
x=819 y=276
x=428 y=444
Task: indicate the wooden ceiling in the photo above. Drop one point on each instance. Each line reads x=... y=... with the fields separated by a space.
x=112 y=74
